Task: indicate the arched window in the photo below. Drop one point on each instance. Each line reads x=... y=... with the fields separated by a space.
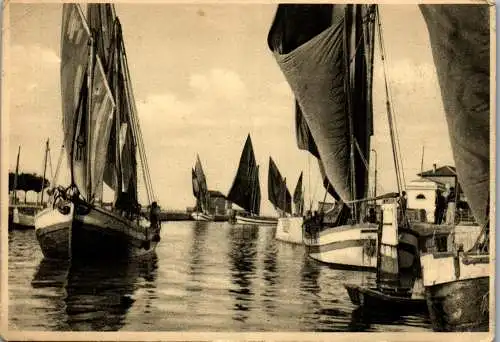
x=420 y=196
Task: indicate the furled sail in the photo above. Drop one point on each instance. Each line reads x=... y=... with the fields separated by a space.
x=460 y=41
x=298 y=197
x=321 y=51
x=277 y=190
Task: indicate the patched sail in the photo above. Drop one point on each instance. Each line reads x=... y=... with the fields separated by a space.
x=75 y=55
x=278 y=193
x=100 y=126
x=460 y=41
x=321 y=51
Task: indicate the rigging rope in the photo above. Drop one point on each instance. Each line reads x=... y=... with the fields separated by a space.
x=394 y=144
x=137 y=129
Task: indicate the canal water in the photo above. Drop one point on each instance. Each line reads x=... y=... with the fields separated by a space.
x=203 y=277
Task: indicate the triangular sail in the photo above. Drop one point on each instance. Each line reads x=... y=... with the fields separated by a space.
x=203 y=195
x=256 y=195
x=278 y=193
x=298 y=197
x=321 y=51
x=246 y=187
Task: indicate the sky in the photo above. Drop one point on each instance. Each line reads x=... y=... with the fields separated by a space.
x=204 y=78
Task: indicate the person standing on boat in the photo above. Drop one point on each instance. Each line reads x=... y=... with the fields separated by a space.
x=440 y=206
x=451 y=206
x=154 y=215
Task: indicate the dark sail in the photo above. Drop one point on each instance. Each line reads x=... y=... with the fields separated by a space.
x=245 y=184
x=278 y=193
x=196 y=187
x=202 y=183
x=298 y=197
x=460 y=40
x=303 y=134
x=256 y=195
x=312 y=45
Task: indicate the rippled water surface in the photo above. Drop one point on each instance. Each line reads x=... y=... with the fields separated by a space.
x=203 y=277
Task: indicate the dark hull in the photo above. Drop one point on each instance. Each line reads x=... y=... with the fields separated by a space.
x=95 y=234
x=459 y=305
x=372 y=299
x=94 y=242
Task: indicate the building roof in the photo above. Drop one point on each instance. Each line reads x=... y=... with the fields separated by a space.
x=443 y=171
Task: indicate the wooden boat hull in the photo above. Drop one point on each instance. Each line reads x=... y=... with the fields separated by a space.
x=372 y=299
x=23 y=217
x=202 y=217
x=257 y=220
x=355 y=246
x=457 y=291
x=96 y=233
x=22 y=220
x=289 y=229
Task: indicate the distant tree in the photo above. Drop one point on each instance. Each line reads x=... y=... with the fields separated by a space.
x=28 y=182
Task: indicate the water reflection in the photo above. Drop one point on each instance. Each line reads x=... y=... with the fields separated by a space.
x=363 y=319
x=270 y=275
x=197 y=251
x=242 y=254
x=95 y=295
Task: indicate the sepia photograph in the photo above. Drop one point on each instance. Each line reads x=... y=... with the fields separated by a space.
x=229 y=170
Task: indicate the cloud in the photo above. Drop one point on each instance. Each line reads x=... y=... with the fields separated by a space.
x=220 y=84
x=35 y=105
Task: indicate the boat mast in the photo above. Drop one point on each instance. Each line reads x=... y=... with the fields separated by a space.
x=16 y=176
x=349 y=112
x=44 y=168
x=90 y=80
x=116 y=65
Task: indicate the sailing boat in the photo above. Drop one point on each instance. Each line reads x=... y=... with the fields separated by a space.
x=23 y=215
x=457 y=283
x=326 y=55
x=277 y=191
x=101 y=138
x=289 y=228
x=245 y=190
x=200 y=191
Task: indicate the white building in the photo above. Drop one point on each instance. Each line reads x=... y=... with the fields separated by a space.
x=422 y=195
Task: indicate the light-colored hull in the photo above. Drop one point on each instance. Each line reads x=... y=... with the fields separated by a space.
x=457 y=290
x=94 y=233
x=261 y=221
x=289 y=229
x=21 y=219
x=356 y=247
x=201 y=217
